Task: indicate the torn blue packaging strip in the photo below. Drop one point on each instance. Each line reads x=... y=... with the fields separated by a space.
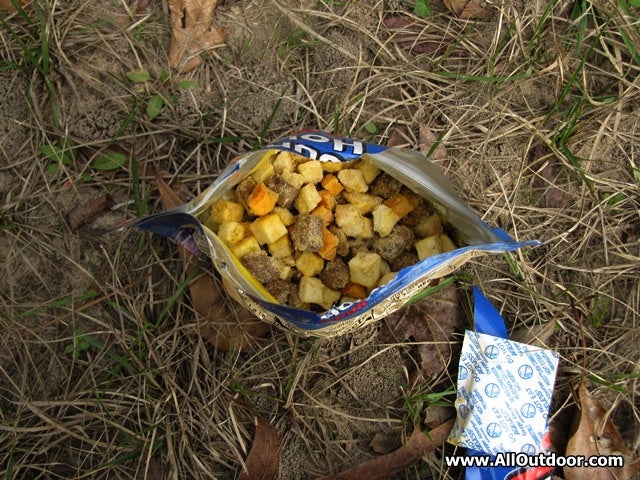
x=516 y=380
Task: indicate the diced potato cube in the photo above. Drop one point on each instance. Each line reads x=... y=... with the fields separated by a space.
x=446 y=244
x=307 y=199
x=349 y=220
x=384 y=267
x=346 y=299
x=331 y=183
x=311 y=171
x=262 y=200
x=263 y=172
x=384 y=219
x=268 y=229
x=294 y=179
x=369 y=170
x=310 y=264
x=231 y=233
x=386 y=278
x=284 y=162
x=365 y=203
x=246 y=246
x=333 y=167
x=431 y=225
x=285 y=271
x=281 y=248
x=226 y=211
x=353 y=180
x=311 y=290
x=364 y=269
x=367 y=228
x=329 y=245
x=399 y=204
x=286 y=217
x=329 y=297
x=428 y=246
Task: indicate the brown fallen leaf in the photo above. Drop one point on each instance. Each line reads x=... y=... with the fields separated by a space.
x=226 y=325
x=544 y=185
x=432 y=319
x=192 y=32
x=384 y=467
x=407 y=33
x=263 y=458
x=7 y=5
x=595 y=434
x=427 y=139
x=468 y=9
x=398 y=138
x=89 y=210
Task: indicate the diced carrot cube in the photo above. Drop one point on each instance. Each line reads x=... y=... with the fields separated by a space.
x=329 y=245
x=354 y=290
x=262 y=200
x=399 y=204
x=324 y=213
x=331 y=183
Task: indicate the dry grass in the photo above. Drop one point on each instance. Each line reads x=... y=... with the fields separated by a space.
x=102 y=371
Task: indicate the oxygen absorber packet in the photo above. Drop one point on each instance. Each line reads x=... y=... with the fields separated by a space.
x=503 y=395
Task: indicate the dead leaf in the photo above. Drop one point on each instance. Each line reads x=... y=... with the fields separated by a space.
x=384 y=467
x=263 y=458
x=468 y=9
x=427 y=139
x=89 y=210
x=432 y=319
x=385 y=442
x=407 y=33
x=398 y=138
x=192 y=32
x=595 y=434
x=224 y=324
x=545 y=183
x=7 y=5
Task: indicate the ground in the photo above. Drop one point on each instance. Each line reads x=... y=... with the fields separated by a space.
x=103 y=373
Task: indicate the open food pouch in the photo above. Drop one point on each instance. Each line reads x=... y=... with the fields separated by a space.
x=321 y=234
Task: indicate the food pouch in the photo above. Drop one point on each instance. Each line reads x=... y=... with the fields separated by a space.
x=473 y=237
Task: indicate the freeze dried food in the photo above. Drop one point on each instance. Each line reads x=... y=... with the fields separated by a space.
x=319 y=233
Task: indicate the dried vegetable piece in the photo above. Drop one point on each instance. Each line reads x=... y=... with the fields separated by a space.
x=334 y=230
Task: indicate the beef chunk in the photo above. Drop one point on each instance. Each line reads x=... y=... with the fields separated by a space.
x=243 y=190
x=405 y=259
x=306 y=233
x=287 y=193
x=282 y=290
x=261 y=265
x=399 y=240
x=335 y=274
x=385 y=186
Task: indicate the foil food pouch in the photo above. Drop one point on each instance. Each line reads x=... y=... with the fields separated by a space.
x=185 y=224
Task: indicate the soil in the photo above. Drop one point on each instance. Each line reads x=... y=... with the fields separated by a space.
x=102 y=370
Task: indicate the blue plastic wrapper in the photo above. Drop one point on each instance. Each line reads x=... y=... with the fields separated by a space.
x=183 y=224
